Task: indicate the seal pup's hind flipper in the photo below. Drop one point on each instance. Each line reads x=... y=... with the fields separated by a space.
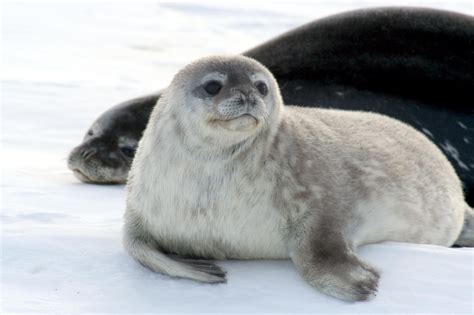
x=466 y=238
x=142 y=247
x=150 y=257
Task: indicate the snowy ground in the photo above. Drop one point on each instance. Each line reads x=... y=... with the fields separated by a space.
x=64 y=63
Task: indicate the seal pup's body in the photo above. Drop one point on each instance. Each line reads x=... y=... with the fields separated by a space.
x=224 y=171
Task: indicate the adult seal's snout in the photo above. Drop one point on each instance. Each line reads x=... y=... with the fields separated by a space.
x=96 y=162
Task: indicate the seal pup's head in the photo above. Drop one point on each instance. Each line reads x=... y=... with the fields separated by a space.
x=223 y=101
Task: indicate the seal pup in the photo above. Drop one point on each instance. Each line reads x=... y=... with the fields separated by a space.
x=386 y=60
x=225 y=171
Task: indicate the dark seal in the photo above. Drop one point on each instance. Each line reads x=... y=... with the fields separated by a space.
x=415 y=65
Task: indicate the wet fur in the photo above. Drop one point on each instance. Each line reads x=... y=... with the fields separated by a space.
x=307 y=184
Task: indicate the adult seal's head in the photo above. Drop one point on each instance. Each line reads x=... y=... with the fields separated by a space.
x=222 y=101
x=108 y=147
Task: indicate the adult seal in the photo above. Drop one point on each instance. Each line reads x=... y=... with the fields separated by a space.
x=412 y=64
x=225 y=171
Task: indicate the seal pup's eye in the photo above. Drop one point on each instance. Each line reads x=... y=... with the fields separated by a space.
x=262 y=88
x=213 y=87
x=128 y=151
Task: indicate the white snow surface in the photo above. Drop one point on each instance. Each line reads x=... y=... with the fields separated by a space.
x=64 y=63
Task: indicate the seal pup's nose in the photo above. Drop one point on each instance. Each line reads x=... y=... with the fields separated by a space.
x=245 y=94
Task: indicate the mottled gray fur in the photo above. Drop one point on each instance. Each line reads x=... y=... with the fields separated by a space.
x=239 y=176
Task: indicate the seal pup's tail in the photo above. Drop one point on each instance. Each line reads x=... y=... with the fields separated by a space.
x=195 y=269
x=466 y=238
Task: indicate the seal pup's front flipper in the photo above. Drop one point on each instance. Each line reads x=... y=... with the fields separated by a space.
x=325 y=260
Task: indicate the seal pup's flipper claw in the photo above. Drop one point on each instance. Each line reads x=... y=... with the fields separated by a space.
x=202 y=265
x=206 y=265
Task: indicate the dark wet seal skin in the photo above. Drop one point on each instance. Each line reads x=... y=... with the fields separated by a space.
x=415 y=65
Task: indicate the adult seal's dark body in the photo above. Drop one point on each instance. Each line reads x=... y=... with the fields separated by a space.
x=411 y=64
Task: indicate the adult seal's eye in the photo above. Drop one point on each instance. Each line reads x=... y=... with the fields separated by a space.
x=262 y=88
x=213 y=87
x=127 y=151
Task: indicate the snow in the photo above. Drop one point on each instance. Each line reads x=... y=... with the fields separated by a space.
x=64 y=63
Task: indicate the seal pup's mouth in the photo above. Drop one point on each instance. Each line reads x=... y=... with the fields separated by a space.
x=244 y=122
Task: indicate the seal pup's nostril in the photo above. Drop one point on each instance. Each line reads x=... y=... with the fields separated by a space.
x=241 y=97
x=245 y=96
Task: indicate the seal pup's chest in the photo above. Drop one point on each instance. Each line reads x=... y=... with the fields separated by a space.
x=214 y=211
